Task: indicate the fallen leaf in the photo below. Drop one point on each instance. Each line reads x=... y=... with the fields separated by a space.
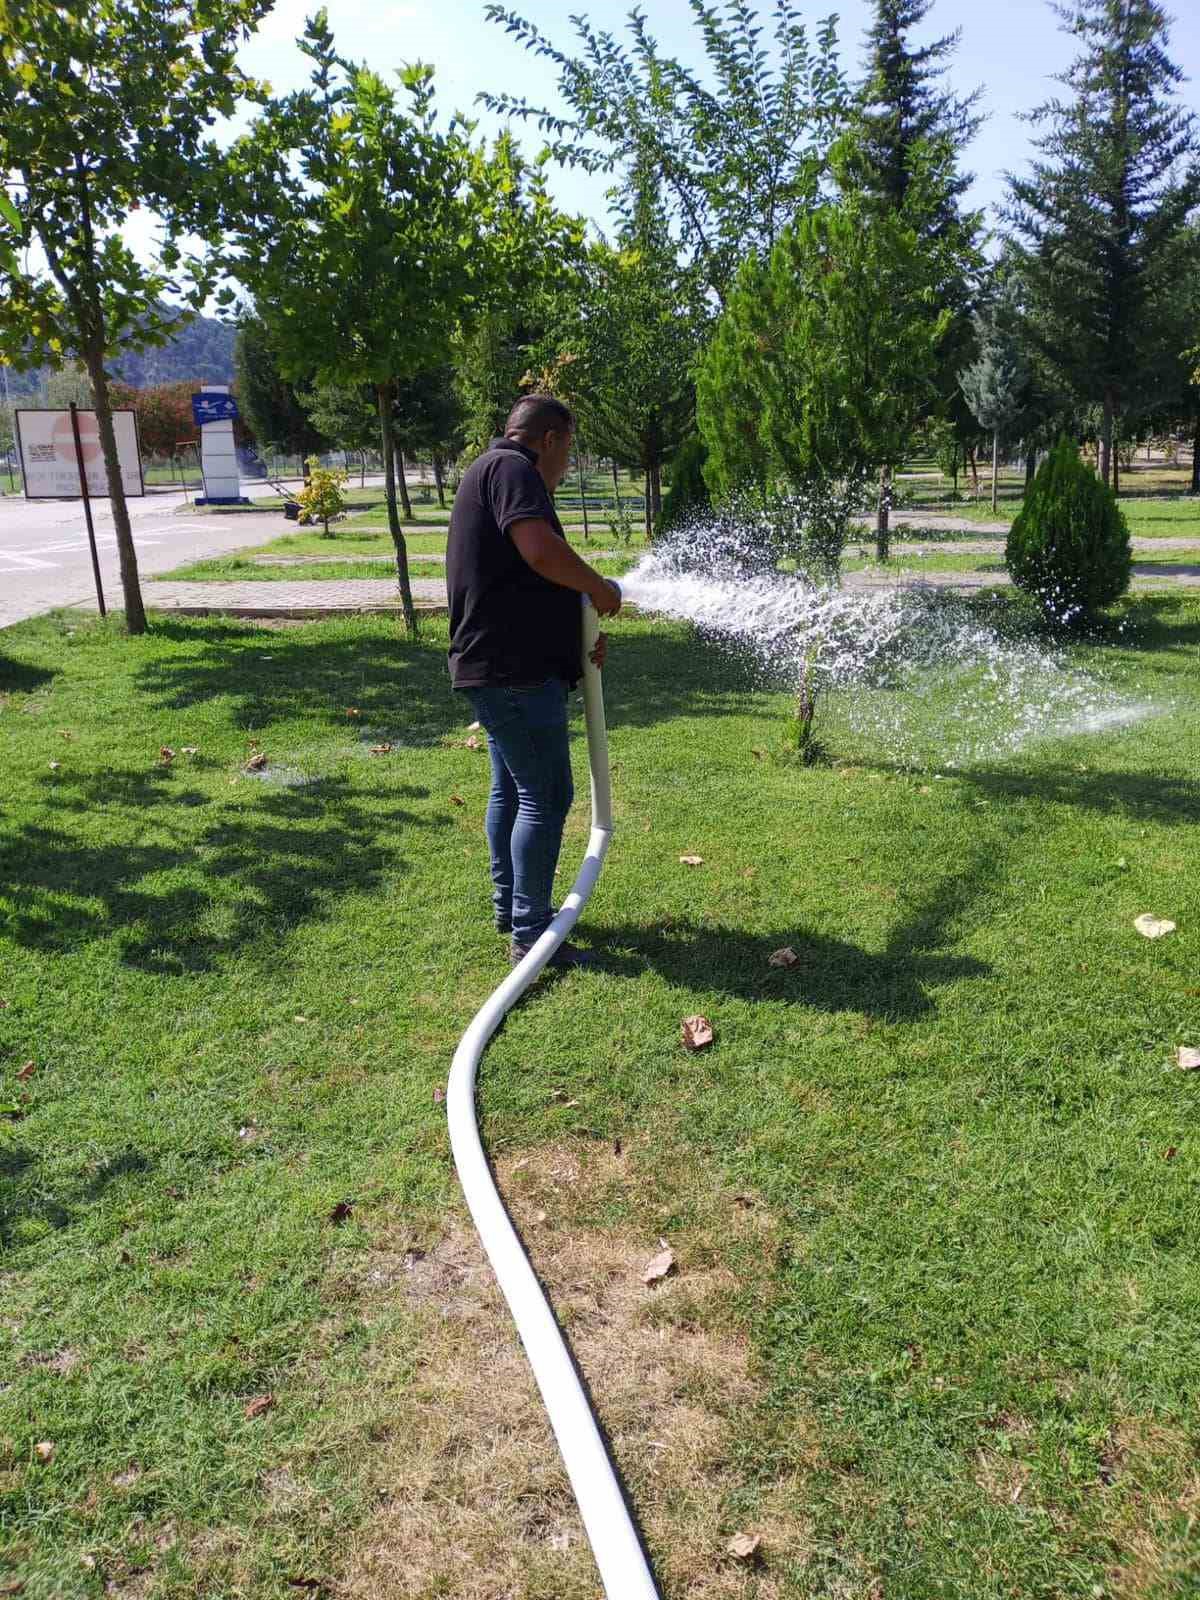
x=1170 y=1152
x=745 y=1201
x=475 y=727
x=353 y=711
x=298 y=1018
x=26 y=1072
x=257 y=762
x=744 y=1546
x=341 y=1211
x=13 y=1586
x=54 y=765
x=1187 y=1058
x=473 y=743
x=189 y=749
x=758 y=754
x=616 y=1147
x=260 y=1403
x=696 y=1032
x=540 y=1216
x=691 y=861
x=166 y=753
x=44 y=1450
x=1151 y=927
x=786 y=957
x=457 y=800
x=659 y=1267
x=439 y=1096
x=381 y=749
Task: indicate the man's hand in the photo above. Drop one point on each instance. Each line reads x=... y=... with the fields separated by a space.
x=600 y=653
x=606 y=598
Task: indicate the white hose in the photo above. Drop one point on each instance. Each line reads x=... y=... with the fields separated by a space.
x=615 y=1543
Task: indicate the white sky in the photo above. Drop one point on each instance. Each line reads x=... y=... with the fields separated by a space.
x=1009 y=48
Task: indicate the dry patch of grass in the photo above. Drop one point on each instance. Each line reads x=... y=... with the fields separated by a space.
x=480 y=1505
x=1160 y=1543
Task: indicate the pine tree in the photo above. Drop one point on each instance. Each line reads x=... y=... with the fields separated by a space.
x=996 y=381
x=1103 y=215
x=903 y=112
x=270 y=404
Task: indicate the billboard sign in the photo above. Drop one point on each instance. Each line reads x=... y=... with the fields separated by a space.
x=50 y=467
x=209 y=407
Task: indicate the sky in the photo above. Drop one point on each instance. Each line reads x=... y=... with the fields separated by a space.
x=1010 y=50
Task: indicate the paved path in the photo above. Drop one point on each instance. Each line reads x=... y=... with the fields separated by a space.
x=289 y=599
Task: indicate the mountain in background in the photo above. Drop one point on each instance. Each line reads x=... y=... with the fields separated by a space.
x=203 y=349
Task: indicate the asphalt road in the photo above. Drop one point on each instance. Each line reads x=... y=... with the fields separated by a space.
x=44 y=557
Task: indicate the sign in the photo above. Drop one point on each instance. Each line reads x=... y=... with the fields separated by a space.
x=49 y=466
x=213 y=407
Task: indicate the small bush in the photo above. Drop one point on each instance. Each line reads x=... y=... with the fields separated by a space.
x=321 y=499
x=688 y=496
x=1069 y=546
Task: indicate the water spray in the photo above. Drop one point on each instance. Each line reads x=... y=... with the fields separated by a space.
x=616 y=1545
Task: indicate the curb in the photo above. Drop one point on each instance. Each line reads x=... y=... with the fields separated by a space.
x=297 y=613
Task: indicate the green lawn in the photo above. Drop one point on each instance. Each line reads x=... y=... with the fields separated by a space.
x=972 y=1335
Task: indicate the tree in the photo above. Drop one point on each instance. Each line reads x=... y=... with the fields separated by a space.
x=105 y=107
x=828 y=353
x=1103 y=215
x=737 y=147
x=901 y=112
x=271 y=405
x=366 y=231
x=996 y=382
x=164 y=414
x=626 y=345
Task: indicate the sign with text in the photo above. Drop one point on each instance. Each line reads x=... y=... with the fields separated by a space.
x=213 y=408
x=50 y=467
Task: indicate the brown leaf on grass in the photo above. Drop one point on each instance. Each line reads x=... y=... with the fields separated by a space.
x=12 y=1586
x=381 y=749
x=1152 y=927
x=1187 y=1058
x=457 y=800
x=341 y=1211
x=473 y=743
x=660 y=1266
x=744 y=1546
x=696 y=1032
x=256 y=1407
x=691 y=861
x=189 y=749
x=26 y=1072
x=353 y=711
x=44 y=1450
x=257 y=762
x=165 y=753
x=1170 y=1152
x=786 y=957
x=439 y=1096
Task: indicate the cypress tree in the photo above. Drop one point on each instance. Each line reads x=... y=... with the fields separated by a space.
x=995 y=382
x=1069 y=546
x=1103 y=215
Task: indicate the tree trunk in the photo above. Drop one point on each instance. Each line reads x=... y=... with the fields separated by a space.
x=616 y=484
x=883 y=515
x=995 y=463
x=1106 y=437
x=1116 y=461
x=135 y=610
x=440 y=480
x=974 y=466
x=1196 y=456
x=648 y=514
x=1030 y=469
x=384 y=394
x=402 y=483
x=583 y=497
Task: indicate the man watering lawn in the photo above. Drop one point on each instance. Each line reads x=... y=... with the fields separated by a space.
x=514 y=585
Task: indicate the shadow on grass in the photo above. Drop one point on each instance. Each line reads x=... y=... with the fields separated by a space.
x=183 y=905
x=21 y=677
x=831 y=974
x=25 y=1193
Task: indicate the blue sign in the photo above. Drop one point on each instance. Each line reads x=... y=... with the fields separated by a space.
x=213 y=408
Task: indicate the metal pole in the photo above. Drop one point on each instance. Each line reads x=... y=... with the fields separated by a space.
x=87 y=508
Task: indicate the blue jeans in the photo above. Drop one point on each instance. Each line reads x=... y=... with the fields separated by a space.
x=531 y=795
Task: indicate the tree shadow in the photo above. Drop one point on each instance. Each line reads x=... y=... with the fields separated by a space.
x=830 y=974
x=21 y=677
x=184 y=904
x=25 y=1194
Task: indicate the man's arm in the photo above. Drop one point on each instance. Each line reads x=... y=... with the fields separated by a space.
x=553 y=558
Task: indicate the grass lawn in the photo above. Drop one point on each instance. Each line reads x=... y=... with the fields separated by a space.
x=933 y=1191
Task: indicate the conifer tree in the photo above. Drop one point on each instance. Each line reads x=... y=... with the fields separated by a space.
x=995 y=382
x=1103 y=215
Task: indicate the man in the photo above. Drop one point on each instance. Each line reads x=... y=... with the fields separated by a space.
x=514 y=585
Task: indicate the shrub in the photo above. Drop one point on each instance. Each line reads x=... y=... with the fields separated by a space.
x=321 y=499
x=1069 y=546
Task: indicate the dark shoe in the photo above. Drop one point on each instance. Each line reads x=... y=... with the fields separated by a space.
x=567 y=955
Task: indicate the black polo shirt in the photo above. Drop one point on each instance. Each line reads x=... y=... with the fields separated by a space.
x=507 y=624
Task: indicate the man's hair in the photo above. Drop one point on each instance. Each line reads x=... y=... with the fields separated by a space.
x=536 y=414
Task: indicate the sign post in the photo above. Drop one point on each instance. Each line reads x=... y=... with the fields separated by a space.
x=215 y=411
x=87 y=508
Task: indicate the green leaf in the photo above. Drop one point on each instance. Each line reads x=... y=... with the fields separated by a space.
x=9 y=211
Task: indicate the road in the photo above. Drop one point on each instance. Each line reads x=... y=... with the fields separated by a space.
x=44 y=558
